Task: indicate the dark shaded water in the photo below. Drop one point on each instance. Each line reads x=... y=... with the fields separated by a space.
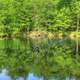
x=45 y=59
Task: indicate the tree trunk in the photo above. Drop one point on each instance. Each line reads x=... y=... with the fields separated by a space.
x=77 y=36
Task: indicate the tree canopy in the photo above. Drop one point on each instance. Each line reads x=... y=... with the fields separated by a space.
x=50 y=15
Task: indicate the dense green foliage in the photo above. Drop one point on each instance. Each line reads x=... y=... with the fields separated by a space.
x=50 y=15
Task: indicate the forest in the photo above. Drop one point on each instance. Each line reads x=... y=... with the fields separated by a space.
x=22 y=16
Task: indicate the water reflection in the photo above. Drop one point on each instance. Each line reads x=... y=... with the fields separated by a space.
x=70 y=78
x=20 y=78
x=31 y=76
x=4 y=75
x=42 y=58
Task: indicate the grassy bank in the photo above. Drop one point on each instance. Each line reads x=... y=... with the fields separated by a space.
x=40 y=34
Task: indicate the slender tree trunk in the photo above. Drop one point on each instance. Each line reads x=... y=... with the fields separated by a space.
x=77 y=36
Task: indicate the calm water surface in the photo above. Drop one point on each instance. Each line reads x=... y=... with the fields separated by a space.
x=28 y=59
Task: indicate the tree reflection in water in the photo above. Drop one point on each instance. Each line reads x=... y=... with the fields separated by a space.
x=20 y=78
x=4 y=76
x=45 y=58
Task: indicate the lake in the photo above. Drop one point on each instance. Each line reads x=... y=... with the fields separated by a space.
x=39 y=59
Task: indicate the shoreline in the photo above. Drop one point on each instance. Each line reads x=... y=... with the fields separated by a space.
x=41 y=34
